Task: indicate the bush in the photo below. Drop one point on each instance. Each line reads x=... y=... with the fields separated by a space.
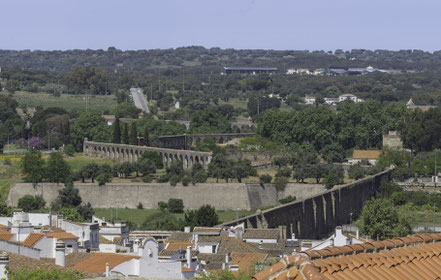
x=140 y=206
x=7 y=161
x=104 y=178
x=284 y=172
x=147 y=179
x=174 y=179
x=199 y=177
x=265 y=179
x=287 y=199
x=69 y=150
x=31 y=203
x=163 y=178
x=280 y=183
x=175 y=205
x=186 y=180
x=162 y=205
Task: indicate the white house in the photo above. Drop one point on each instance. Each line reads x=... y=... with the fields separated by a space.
x=261 y=236
x=88 y=233
x=337 y=239
x=350 y=97
x=309 y=100
x=143 y=262
x=113 y=230
x=370 y=156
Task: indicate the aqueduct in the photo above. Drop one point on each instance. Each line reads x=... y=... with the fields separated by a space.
x=131 y=153
x=187 y=141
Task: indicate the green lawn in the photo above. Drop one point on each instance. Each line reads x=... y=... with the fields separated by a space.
x=421 y=217
x=69 y=102
x=138 y=216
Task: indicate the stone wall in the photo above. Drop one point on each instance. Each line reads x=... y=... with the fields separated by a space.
x=316 y=217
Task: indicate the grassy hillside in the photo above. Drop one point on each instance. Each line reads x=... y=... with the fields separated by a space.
x=69 y=102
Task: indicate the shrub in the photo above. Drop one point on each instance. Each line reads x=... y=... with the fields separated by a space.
x=147 y=179
x=331 y=180
x=139 y=206
x=7 y=161
x=175 y=205
x=174 y=179
x=199 y=177
x=280 y=183
x=284 y=172
x=31 y=203
x=186 y=180
x=265 y=179
x=104 y=178
x=162 y=205
x=163 y=178
x=69 y=150
x=287 y=199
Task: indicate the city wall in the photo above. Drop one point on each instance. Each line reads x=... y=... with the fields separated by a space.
x=221 y=196
x=316 y=217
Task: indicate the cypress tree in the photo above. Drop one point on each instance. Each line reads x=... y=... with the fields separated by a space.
x=146 y=137
x=125 y=134
x=133 y=134
x=116 y=132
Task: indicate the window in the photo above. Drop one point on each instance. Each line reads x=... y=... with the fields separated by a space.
x=213 y=249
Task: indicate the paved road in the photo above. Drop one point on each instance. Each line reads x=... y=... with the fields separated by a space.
x=139 y=99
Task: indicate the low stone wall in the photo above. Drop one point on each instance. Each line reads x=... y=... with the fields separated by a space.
x=222 y=196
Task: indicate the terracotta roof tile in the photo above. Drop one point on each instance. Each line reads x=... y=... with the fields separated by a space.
x=97 y=263
x=177 y=245
x=32 y=239
x=5 y=235
x=247 y=261
x=261 y=234
x=61 y=235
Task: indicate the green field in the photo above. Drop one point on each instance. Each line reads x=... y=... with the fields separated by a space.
x=69 y=102
x=138 y=216
x=421 y=217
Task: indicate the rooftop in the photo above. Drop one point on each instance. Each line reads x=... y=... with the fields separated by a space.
x=32 y=239
x=261 y=234
x=97 y=262
x=413 y=257
x=366 y=154
x=251 y=68
x=61 y=235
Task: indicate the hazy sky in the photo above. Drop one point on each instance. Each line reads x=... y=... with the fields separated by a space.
x=271 y=24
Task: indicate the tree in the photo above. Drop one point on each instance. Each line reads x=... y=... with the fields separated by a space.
x=86 y=211
x=380 y=220
x=5 y=211
x=175 y=205
x=176 y=169
x=126 y=168
x=69 y=196
x=69 y=150
x=104 y=178
x=92 y=171
x=333 y=153
x=209 y=121
x=57 y=169
x=155 y=157
x=133 y=138
x=243 y=169
x=70 y=214
x=31 y=203
x=356 y=171
x=265 y=179
x=43 y=273
x=205 y=216
x=146 y=137
x=32 y=166
x=12 y=86
x=331 y=180
x=125 y=134
x=146 y=167
x=92 y=126
x=116 y=131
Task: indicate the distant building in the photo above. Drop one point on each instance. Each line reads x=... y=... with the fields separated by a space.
x=249 y=70
x=310 y=100
x=350 y=97
x=371 y=156
x=392 y=140
x=411 y=105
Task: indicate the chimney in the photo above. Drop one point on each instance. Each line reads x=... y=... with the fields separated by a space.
x=227 y=258
x=187 y=229
x=196 y=238
x=293 y=236
x=332 y=242
x=4 y=262
x=136 y=246
x=357 y=234
x=60 y=253
x=188 y=257
x=338 y=231
x=107 y=270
